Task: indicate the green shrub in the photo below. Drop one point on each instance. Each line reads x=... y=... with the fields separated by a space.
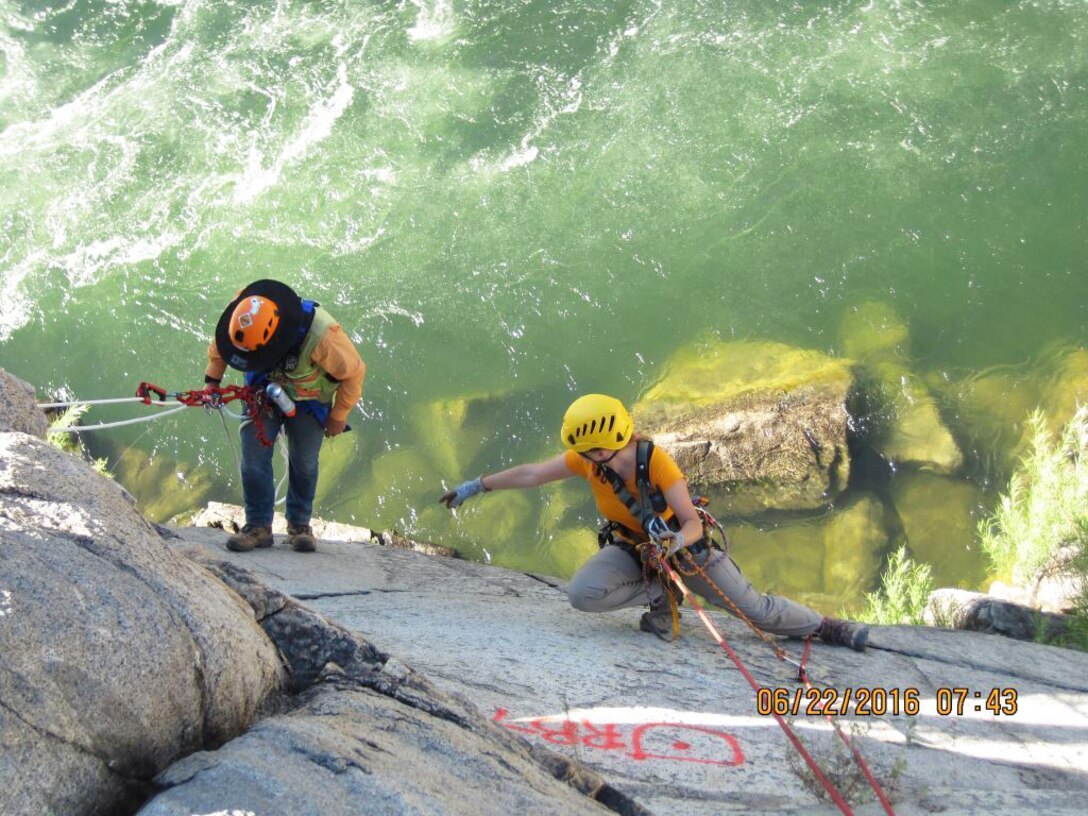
x=1045 y=506
x=69 y=442
x=903 y=594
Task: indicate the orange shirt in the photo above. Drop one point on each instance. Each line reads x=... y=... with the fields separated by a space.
x=664 y=473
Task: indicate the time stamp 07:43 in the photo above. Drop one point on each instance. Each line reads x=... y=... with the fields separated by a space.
x=862 y=701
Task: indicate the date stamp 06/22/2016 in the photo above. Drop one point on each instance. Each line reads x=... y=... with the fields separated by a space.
x=865 y=701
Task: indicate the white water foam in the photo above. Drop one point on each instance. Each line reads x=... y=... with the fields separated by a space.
x=256 y=178
x=434 y=22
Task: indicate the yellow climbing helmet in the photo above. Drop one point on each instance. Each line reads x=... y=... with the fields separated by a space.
x=596 y=421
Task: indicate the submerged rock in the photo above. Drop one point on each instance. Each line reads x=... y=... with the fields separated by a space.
x=829 y=560
x=989 y=414
x=758 y=425
x=163 y=489
x=855 y=538
x=901 y=418
x=905 y=423
x=1064 y=386
x=568 y=550
x=938 y=517
x=874 y=331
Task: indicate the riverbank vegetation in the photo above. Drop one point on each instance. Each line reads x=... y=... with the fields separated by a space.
x=903 y=594
x=1041 y=522
x=70 y=442
x=1039 y=525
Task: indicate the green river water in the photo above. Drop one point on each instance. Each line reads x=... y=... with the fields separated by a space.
x=529 y=200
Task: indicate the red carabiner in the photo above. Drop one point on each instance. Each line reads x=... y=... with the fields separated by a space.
x=146 y=389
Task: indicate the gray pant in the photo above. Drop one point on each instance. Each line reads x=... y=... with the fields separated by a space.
x=612 y=580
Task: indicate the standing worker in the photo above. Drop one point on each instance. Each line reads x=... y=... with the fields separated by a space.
x=277 y=339
x=620 y=465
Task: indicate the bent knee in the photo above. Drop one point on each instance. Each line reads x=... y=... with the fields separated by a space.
x=588 y=598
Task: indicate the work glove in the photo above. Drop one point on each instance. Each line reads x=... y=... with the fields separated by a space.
x=671 y=540
x=462 y=493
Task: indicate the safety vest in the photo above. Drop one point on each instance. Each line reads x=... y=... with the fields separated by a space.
x=300 y=377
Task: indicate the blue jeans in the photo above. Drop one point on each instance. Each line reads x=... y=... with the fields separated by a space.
x=304 y=438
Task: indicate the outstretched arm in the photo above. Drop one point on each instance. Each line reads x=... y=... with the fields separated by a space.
x=519 y=476
x=530 y=475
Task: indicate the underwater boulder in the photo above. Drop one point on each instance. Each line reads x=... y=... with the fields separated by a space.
x=443 y=430
x=854 y=538
x=988 y=414
x=784 y=558
x=162 y=486
x=568 y=550
x=758 y=425
x=1064 y=386
x=872 y=331
x=905 y=423
x=938 y=514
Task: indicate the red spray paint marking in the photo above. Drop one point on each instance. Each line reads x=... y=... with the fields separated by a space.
x=676 y=742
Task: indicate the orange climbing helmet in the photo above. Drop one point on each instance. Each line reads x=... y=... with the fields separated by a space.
x=596 y=421
x=263 y=322
x=253 y=322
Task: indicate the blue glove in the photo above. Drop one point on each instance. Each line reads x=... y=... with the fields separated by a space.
x=462 y=493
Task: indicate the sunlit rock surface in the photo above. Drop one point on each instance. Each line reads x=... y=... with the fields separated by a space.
x=20 y=412
x=675 y=726
x=119 y=655
x=130 y=667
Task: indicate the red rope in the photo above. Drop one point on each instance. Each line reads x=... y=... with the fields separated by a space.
x=802 y=676
x=832 y=791
x=859 y=760
x=214 y=396
x=828 y=786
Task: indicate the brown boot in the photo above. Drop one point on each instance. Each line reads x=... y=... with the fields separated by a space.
x=844 y=633
x=658 y=620
x=250 y=536
x=301 y=538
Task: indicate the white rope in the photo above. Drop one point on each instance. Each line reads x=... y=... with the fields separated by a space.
x=287 y=468
x=45 y=406
x=103 y=425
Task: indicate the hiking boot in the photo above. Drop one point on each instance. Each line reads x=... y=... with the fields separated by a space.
x=844 y=633
x=250 y=536
x=301 y=538
x=658 y=620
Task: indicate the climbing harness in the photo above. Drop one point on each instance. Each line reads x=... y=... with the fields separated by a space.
x=652 y=555
x=646 y=508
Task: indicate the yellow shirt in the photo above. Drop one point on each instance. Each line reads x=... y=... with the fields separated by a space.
x=664 y=473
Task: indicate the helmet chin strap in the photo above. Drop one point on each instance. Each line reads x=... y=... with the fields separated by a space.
x=602 y=461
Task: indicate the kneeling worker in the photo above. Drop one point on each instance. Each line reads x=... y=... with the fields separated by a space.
x=275 y=337
x=604 y=450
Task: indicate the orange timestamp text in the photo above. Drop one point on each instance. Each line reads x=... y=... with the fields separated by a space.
x=864 y=701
